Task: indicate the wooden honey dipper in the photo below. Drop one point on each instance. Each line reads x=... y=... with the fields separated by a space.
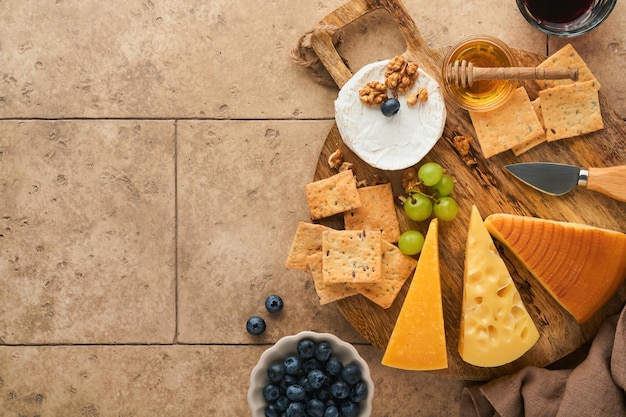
x=464 y=73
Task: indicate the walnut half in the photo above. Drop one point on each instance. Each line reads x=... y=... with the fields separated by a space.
x=400 y=75
x=373 y=93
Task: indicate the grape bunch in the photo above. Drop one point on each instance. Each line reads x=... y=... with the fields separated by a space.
x=420 y=206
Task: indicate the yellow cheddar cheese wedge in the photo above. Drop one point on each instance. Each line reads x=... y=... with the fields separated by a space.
x=418 y=340
x=579 y=265
x=496 y=328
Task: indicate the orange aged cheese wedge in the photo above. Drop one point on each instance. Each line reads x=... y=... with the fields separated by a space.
x=418 y=340
x=581 y=266
x=495 y=327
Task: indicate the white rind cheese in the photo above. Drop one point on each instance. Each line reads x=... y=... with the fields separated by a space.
x=389 y=143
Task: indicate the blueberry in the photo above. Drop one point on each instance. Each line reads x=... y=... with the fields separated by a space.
x=271 y=392
x=358 y=392
x=274 y=303
x=316 y=378
x=390 y=107
x=255 y=325
x=349 y=409
x=295 y=393
x=306 y=348
x=323 y=351
x=315 y=408
x=304 y=383
x=310 y=364
x=292 y=365
x=340 y=390
x=323 y=394
x=286 y=381
x=334 y=366
x=351 y=374
x=296 y=409
x=276 y=372
x=331 y=411
x=282 y=403
x=271 y=411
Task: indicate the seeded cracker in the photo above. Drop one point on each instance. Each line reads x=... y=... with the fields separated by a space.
x=566 y=57
x=332 y=195
x=513 y=124
x=377 y=213
x=520 y=149
x=571 y=110
x=327 y=293
x=397 y=268
x=351 y=256
x=306 y=241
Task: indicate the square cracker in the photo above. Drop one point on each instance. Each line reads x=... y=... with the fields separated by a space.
x=396 y=269
x=351 y=256
x=566 y=57
x=377 y=212
x=515 y=123
x=571 y=110
x=306 y=241
x=520 y=149
x=327 y=293
x=332 y=195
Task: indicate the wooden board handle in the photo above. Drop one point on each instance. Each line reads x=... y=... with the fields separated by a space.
x=610 y=181
x=321 y=38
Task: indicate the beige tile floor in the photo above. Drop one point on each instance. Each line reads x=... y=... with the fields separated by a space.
x=152 y=157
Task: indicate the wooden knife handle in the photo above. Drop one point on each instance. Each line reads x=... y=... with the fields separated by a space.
x=610 y=181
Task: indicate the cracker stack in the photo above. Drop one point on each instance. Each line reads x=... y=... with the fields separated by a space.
x=361 y=259
x=564 y=109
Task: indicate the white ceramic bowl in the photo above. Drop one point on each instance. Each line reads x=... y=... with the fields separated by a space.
x=287 y=346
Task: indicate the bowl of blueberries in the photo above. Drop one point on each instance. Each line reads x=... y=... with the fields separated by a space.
x=311 y=375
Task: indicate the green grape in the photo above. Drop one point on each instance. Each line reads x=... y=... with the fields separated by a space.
x=446 y=209
x=418 y=207
x=430 y=173
x=411 y=242
x=445 y=186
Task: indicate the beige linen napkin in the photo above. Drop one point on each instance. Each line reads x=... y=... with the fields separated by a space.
x=596 y=387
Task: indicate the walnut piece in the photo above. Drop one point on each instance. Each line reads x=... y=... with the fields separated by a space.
x=346 y=166
x=335 y=159
x=462 y=144
x=373 y=93
x=411 y=99
x=410 y=180
x=422 y=96
x=400 y=75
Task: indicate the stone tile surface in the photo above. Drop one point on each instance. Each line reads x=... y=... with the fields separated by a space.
x=218 y=59
x=172 y=381
x=152 y=159
x=87 y=232
x=240 y=198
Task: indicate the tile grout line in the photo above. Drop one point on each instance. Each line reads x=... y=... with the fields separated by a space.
x=176 y=217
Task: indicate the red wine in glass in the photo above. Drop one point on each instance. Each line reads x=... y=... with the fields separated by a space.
x=558 y=11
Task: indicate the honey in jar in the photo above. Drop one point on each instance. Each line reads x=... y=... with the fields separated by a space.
x=481 y=51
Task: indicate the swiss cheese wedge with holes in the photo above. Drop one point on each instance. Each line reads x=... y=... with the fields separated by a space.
x=496 y=328
x=418 y=340
x=581 y=266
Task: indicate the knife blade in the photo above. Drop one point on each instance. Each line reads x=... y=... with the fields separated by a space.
x=558 y=179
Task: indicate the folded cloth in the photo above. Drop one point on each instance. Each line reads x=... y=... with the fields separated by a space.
x=596 y=387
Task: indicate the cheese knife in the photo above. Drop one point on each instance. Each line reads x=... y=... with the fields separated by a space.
x=557 y=179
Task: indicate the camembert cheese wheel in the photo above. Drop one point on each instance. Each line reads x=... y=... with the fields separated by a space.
x=396 y=142
x=496 y=328
x=418 y=340
x=579 y=265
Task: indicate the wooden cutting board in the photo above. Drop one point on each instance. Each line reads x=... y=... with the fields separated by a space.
x=491 y=189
